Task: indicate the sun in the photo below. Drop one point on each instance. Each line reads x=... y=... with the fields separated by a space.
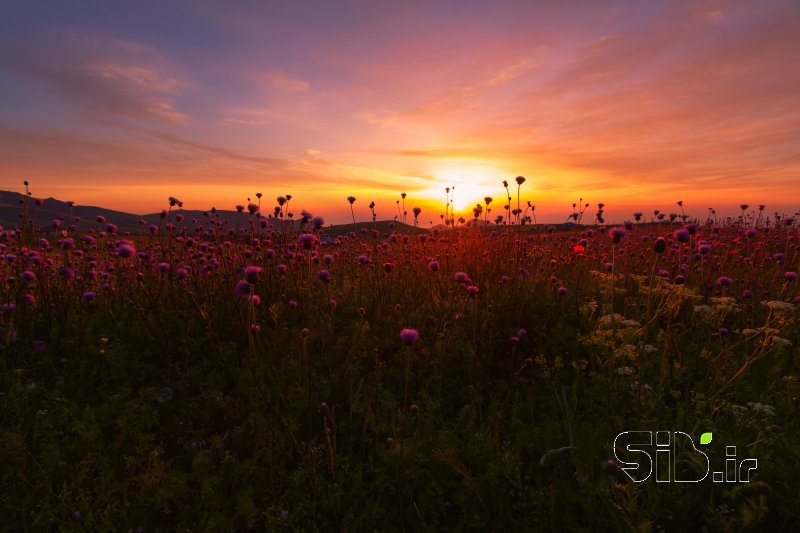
x=469 y=181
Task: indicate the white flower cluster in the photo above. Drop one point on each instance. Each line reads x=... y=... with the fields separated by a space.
x=606 y=321
x=778 y=341
x=779 y=306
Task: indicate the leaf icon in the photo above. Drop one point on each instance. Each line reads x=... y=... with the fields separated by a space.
x=705 y=438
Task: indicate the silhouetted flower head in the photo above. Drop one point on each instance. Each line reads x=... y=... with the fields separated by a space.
x=617 y=234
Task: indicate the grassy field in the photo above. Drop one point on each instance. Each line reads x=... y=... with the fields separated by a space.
x=473 y=378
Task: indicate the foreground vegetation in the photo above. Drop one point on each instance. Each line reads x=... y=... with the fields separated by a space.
x=466 y=379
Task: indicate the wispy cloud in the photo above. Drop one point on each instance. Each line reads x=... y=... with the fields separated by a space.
x=281 y=81
x=103 y=75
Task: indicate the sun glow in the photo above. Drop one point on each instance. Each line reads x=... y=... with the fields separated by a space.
x=469 y=182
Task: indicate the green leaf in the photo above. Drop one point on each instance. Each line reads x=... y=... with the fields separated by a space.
x=705 y=438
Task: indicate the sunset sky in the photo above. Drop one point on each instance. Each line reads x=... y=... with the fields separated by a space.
x=636 y=104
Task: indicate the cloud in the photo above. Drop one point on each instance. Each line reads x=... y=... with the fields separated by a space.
x=232 y=121
x=102 y=75
x=280 y=81
x=452 y=104
x=668 y=104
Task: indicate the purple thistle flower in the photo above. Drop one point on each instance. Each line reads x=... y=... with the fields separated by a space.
x=682 y=235
x=562 y=291
x=89 y=296
x=251 y=274
x=461 y=277
x=243 y=288
x=68 y=243
x=28 y=299
x=126 y=251
x=327 y=259
x=182 y=273
x=306 y=240
x=163 y=267
x=747 y=293
x=724 y=281
x=433 y=266
x=324 y=276
x=27 y=275
x=281 y=268
x=409 y=336
x=617 y=234
x=790 y=276
x=472 y=290
x=292 y=304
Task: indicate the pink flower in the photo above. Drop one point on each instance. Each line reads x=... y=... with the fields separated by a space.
x=126 y=251
x=243 y=288
x=409 y=336
x=251 y=273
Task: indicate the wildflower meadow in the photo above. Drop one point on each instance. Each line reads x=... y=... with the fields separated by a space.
x=272 y=373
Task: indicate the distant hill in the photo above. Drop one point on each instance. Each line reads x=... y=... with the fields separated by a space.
x=11 y=204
